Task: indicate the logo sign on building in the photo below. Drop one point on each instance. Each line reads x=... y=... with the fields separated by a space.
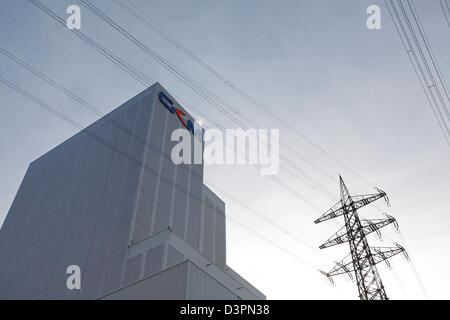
x=168 y=103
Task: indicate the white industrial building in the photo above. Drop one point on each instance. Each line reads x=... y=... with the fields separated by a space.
x=111 y=201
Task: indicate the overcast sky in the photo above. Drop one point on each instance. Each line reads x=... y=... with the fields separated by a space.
x=315 y=64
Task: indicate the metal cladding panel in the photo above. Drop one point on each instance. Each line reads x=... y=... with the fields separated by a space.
x=43 y=284
x=149 y=181
x=174 y=256
x=183 y=176
x=167 y=285
x=194 y=223
x=144 y=211
x=214 y=239
x=112 y=274
x=201 y=286
x=163 y=207
x=220 y=239
x=180 y=213
x=154 y=260
x=91 y=282
x=139 y=232
x=132 y=270
x=208 y=229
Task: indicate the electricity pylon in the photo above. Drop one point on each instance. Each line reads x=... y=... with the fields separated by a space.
x=363 y=258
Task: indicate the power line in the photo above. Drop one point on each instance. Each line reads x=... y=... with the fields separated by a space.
x=143 y=79
x=205 y=93
x=430 y=53
x=127 y=67
x=445 y=10
x=137 y=162
x=148 y=22
x=417 y=65
x=137 y=12
x=134 y=72
x=197 y=86
x=149 y=145
x=427 y=67
x=164 y=62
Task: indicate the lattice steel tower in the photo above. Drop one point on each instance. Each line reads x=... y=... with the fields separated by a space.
x=363 y=258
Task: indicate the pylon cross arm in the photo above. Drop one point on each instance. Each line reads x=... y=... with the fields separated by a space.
x=380 y=254
x=368 y=226
x=383 y=253
x=357 y=202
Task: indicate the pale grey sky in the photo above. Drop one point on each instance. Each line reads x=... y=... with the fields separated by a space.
x=317 y=66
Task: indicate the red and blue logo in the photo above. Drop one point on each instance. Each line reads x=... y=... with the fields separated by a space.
x=168 y=103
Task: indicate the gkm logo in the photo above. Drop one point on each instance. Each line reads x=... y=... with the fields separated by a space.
x=168 y=103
